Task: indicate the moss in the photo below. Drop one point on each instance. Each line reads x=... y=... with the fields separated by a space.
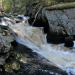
x=62 y=6
x=7 y=5
x=9 y=67
x=18 y=56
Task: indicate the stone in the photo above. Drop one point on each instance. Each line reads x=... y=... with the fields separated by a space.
x=5 y=43
x=58 y=20
x=69 y=42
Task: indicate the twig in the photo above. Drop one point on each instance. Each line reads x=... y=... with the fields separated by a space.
x=36 y=15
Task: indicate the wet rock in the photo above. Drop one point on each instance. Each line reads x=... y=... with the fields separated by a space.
x=31 y=70
x=55 y=39
x=69 y=42
x=14 y=43
x=61 y=25
x=5 y=39
x=5 y=43
x=37 y=69
x=36 y=64
x=57 y=23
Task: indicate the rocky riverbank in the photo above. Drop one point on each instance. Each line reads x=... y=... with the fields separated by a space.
x=19 y=59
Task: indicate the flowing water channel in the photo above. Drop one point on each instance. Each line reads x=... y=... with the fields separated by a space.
x=58 y=54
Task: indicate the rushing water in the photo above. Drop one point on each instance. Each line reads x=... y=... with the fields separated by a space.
x=63 y=57
x=58 y=54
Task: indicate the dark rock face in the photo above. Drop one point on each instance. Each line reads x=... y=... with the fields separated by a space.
x=60 y=23
x=55 y=39
x=40 y=23
x=35 y=65
x=35 y=8
x=14 y=43
x=57 y=23
x=5 y=43
x=61 y=26
x=69 y=42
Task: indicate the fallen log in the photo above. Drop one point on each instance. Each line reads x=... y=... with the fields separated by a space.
x=61 y=6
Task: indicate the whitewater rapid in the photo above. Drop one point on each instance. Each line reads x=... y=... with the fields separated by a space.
x=63 y=59
x=58 y=54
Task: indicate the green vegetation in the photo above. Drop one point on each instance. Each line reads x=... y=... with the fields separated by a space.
x=7 y=5
x=19 y=6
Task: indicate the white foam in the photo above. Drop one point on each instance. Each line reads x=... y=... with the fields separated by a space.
x=57 y=54
x=62 y=59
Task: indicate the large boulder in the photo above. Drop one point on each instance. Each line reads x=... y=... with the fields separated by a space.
x=61 y=24
x=32 y=63
x=57 y=20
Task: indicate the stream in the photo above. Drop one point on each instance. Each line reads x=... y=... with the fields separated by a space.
x=57 y=54
x=63 y=57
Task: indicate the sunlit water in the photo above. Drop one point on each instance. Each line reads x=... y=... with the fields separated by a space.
x=58 y=54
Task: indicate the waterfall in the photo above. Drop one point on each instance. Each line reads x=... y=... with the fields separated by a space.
x=63 y=57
